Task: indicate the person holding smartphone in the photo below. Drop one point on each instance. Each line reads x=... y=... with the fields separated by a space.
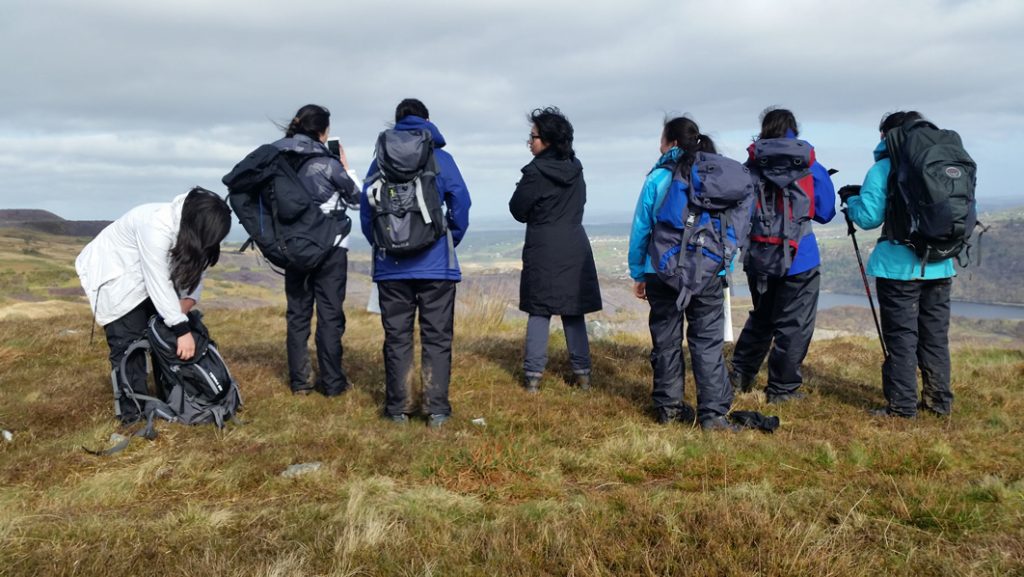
x=333 y=186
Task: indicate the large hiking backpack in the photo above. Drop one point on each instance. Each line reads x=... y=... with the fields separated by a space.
x=276 y=209
x=197 y=391
x=702 y=222
x=785 y=203
x=407 y=212
x=930 y=206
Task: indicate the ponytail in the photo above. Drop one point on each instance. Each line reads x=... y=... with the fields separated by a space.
x=311 y=120
x=685 y=133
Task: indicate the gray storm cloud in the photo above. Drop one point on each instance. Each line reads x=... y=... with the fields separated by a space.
x=107 y=104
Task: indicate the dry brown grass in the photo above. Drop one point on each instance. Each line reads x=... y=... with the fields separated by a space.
x=562 y=483
x=558 y=484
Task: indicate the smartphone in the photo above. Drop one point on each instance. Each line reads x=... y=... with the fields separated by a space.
x=334 y=146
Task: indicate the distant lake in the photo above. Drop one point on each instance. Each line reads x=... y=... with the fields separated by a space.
x=827 y=300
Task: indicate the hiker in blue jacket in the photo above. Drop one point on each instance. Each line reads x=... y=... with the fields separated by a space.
x=782 y=321
x=704 y=315
x=422 y=283
x=914 y=307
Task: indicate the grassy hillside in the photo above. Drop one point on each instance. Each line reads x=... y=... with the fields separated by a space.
x=562 y=483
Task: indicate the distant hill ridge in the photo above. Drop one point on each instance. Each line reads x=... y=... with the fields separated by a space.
x=46 y=221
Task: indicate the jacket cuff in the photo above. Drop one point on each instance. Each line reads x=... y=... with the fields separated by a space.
x=181 y=329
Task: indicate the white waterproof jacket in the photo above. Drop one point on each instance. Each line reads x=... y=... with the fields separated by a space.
x=129 y=261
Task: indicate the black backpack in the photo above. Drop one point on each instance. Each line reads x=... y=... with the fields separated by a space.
x=785 y=203
x=276 y=209
x=407 y=213
x=197 y=391
x=702 y=222
x=930 y=206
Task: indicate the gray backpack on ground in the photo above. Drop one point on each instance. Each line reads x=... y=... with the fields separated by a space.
x=198 y=391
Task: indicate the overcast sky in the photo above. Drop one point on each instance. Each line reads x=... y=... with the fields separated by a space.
x=105 y=104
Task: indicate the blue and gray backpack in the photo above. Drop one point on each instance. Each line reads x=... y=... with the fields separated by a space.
x=702 y=223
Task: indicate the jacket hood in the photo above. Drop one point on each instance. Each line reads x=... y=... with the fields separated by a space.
x=176 y=205
x=300 y=143
x=881 y=151
x=560 y=171
x=670 y=158
x=413 y=122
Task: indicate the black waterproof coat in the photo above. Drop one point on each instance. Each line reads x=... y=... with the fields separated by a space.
x=559 y=276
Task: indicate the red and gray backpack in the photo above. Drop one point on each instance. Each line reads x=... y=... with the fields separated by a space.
x=785 y=203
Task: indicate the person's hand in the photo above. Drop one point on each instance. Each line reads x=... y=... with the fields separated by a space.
x=640 y=290
x=186 y=346
x=847 y=191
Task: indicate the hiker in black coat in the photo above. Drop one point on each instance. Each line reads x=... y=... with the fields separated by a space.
x=559 y=276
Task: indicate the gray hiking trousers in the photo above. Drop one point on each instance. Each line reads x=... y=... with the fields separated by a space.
x=780 y=326
x=538 y=329
x=401 y=302
x=705 y=326
x=915 y=327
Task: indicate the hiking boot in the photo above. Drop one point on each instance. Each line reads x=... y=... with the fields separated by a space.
x=741 y=382
x=719 y=423
x=681 y=414
x=583 y=381
x=886 y=412
x=687 y=415
x=302 y=392
x=437 y=421
x=532 y=385
x=777 y=399
x=329 y=392
x=402 y=419
x=924 y=407
x=665 y=415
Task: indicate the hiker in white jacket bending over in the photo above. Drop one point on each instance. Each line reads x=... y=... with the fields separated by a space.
x=151 y=261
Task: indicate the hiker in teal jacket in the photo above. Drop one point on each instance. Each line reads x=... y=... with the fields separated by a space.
x=914 y=307
x=653 y=192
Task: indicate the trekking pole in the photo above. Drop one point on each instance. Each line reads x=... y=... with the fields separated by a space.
x=864 y=276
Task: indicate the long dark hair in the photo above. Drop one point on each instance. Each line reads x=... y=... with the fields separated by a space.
x=205 y=221
x=555 y=130
x=685 y=133
x=776 y=122
x=896 y=119
x=311 y=120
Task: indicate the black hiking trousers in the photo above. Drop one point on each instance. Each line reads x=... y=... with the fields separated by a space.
x=433 y=301
x=324 y=287
x=705 y=336
x=121 y=333
x=780 y=326
x=915 y=327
